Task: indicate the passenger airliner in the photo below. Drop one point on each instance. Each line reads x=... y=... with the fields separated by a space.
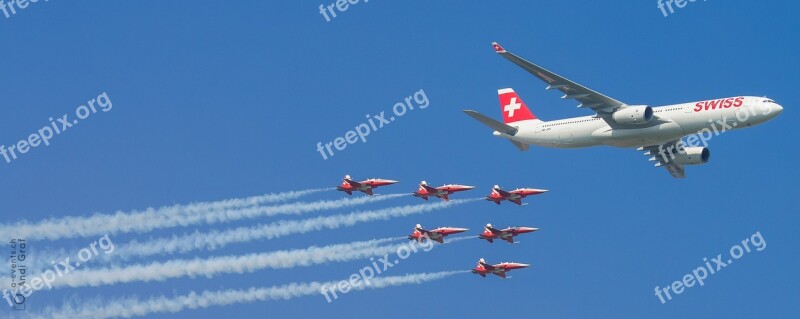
x=658 y=131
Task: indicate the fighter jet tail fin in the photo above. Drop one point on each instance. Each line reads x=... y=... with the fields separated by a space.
x=492 y=200
x=346 y=190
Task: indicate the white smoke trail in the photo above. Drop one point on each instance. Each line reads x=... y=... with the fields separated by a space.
x=216 y=239
x=458 y=239
x=134 y=307
x=209 y=267
x=262 y=199
x=165 y=217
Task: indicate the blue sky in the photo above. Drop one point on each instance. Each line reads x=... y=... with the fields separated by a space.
x=218 y=100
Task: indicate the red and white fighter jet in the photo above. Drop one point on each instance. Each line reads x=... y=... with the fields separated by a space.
x=442 y=192
x=349 y=186
x=438 y=234
x=498 y=269
x=490 y=233
x=498 y=194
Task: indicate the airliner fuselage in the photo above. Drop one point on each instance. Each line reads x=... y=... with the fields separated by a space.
x=713 y=116
x=657 y=131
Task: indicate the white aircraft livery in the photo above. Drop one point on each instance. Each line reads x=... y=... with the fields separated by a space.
x=658 y=131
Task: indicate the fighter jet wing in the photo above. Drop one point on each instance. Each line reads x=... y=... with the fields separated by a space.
x=502 y=192
x=494 y=230
x=430 y=189
x=676 y=170
x=352 y=182
x=587 y=97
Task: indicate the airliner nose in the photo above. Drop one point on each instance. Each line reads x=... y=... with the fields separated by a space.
x=773 y=111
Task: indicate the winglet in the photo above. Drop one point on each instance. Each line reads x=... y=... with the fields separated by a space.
x=498 y=48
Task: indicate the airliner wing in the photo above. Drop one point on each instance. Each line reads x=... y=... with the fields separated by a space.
x=676 y=170
x=586 y=96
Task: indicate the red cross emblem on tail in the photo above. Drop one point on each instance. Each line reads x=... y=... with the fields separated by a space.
x=512 y=106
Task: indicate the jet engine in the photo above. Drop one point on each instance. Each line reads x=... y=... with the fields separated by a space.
x=692 y=156
x=639 y=114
